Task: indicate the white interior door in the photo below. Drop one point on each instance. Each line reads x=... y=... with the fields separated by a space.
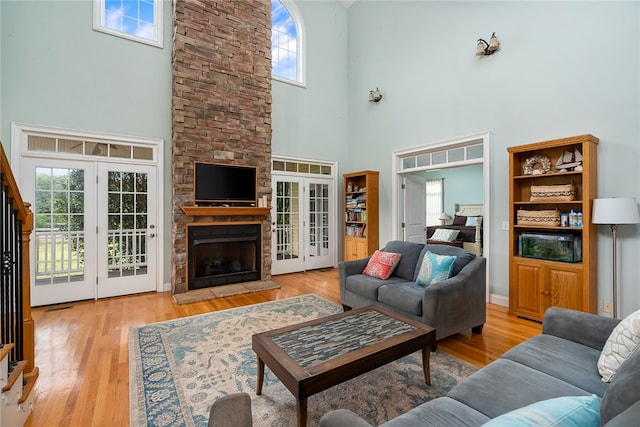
x=64 y=239
x=126 y=229
x=414 y=203
x=301 y=224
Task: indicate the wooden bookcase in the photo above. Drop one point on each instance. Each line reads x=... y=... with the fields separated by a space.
x=360 y=214
x=534 y=283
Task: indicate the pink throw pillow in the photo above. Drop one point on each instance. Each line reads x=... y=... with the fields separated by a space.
x=381 y=264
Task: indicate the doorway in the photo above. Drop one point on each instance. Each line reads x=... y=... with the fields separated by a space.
x=95 y=215
x=409 y=174
x=303 y=212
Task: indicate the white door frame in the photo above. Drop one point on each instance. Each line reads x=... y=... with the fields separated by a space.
x=305 y=177
x=20 y=149
x=396 y=182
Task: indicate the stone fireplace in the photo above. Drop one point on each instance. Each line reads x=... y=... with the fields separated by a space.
x=221 y=113
x=221 y=254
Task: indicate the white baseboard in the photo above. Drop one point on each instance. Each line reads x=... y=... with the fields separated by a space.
x=499 y=300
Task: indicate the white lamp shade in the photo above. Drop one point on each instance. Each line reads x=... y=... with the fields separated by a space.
x=444 y=217
x=615 y=211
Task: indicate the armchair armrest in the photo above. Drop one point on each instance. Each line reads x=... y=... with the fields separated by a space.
x=342 y=418
x=584 y=328
x=458 y=302
x=349 y=268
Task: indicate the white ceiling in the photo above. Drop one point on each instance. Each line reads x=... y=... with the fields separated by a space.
x=347 y=3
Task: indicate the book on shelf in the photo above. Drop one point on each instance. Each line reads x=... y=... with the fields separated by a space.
x=355 y=230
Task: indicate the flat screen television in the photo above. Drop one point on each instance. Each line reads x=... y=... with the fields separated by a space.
x=225 y=185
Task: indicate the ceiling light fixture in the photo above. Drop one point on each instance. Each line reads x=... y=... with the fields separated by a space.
x=485 y=48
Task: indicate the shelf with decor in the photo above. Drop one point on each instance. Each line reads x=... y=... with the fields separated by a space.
x=360 y=214
x=552 y=243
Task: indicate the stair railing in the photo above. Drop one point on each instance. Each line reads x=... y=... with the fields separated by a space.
x=16 y=324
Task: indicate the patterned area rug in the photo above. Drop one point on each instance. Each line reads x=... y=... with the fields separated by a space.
x=179 y=367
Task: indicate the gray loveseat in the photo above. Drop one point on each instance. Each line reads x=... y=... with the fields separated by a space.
x=451 y=306
x=562 y=361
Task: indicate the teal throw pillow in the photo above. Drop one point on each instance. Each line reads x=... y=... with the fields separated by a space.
x=567 y=411
x=435 y=268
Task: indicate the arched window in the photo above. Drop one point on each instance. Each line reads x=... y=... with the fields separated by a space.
x=287 y=47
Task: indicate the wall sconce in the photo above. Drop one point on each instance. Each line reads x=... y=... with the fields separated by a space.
x=375 y=95
x=485 y=48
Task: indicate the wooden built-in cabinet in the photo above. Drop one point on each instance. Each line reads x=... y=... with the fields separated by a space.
x=536 y=283
x=361 y=219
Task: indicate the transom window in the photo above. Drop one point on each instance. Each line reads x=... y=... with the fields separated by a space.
x=287 y=51
x=139 y=20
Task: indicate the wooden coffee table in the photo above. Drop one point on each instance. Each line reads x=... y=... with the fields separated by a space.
x=313 y=356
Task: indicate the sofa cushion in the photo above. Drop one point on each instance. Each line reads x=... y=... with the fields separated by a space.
x=505 y=385
x=567 y=360
x=623 y=390
x=566 y=411
x=381 y=264
x=462 y=257
x=410 y=252
x=623 y=341
x=435 y=268
x=404 y=296
x=367 y=286
x=441 y=411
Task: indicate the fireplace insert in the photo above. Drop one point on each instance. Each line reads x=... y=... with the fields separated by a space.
x=221 y=254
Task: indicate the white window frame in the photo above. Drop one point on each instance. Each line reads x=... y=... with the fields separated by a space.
x=301 y=46
x=158 y=18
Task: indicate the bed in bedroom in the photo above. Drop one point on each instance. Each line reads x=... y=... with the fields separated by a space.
x=465 y=230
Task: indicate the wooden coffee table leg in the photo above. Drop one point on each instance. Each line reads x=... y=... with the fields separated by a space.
x=260 y=376
x=301 y=409
x=426 y=366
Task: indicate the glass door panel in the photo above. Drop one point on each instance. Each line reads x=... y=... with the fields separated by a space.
x=62 y=249
x=126 y=234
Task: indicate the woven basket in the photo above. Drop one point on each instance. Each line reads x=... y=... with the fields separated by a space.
x=543 y=217
x=553 y=193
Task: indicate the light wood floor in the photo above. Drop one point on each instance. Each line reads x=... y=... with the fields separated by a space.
x=82 y=348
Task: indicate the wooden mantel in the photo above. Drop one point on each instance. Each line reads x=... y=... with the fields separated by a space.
x=225 y=211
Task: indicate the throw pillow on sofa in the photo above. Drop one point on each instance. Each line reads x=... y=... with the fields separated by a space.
x=435 y=268
x=381 y=264
x=445 y=235
x=566 y=411
x=623 y=341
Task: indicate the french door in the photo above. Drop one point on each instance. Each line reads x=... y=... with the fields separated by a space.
x=94 y=229
x=302 y=224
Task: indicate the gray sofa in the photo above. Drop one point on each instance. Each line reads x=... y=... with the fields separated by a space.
x=451 y=306
x=562 y=361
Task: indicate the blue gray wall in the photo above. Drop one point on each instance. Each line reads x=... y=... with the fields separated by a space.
x=564 y=68
x=461 y=185
x=57 y=71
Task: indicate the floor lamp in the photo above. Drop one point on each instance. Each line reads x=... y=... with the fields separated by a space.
x=615 y=211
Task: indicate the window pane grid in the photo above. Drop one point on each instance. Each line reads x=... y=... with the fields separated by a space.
x=127 y=221
x=284 y=43
x=59 y=225
x=83 y=148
